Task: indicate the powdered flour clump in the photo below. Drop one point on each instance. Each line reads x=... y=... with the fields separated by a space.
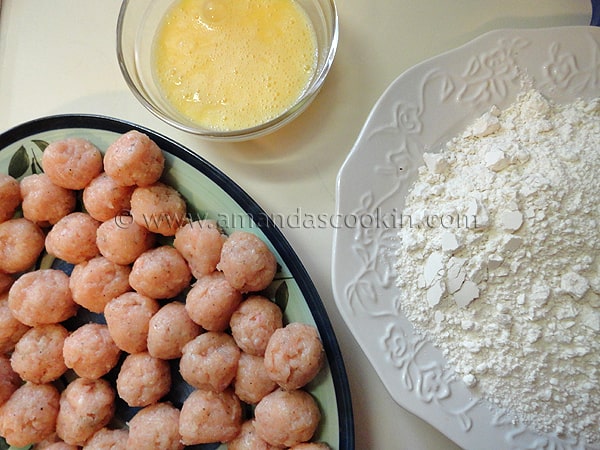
x=513 y=300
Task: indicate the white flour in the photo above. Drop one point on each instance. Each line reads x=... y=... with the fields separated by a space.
x=506 y=280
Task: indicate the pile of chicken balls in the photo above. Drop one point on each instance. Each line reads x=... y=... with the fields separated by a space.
x=169 y=288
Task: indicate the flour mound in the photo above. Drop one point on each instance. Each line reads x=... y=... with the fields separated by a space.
x=506 y=280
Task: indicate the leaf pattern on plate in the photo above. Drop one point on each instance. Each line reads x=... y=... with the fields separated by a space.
x=19 y=163
x=282 y=296
x=24 y=163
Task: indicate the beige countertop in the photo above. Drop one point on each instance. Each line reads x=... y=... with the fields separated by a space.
x=59 y=57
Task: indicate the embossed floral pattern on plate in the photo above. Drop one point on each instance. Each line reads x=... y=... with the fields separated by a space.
x=421 y=110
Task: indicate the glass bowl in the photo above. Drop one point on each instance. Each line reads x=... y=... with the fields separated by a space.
x=137 y=26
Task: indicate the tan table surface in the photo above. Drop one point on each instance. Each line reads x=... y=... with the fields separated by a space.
x=58 y=56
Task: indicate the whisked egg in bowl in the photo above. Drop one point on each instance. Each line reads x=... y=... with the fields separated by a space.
x=226 y=69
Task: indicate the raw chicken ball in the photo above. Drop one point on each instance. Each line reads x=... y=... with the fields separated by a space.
x=248 y=439
x=10 y=196
x=159 y=208
x=44 y=202
x=210 y=361
x=134 y=159
x=86 y=406
x=254 y=322
x=53 y=444
x=170 y=329
x=128 y=319
x=208 y=416
x=21 y=243
x=73 y=238
x=247 y=262
x=9 y=380
x=287 y=418
x=11 y=329
x=200 y=243
x=143 y=379
x=38 y=356
x=42 y=296
x=122 y=240
x=160 y=272
x=108 y=439
x=155 y=427
x=95 y=282
x=90 y=351
x=104 y=199
x=294 y=355
x=72 y=163
x=252 y=382
x=211 y=302
x=30 y=414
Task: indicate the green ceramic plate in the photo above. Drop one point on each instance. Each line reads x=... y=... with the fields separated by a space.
x=210 y=194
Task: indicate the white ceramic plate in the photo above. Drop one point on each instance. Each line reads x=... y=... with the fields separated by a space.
x=420 y=111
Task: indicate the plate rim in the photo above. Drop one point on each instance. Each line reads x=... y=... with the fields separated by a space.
x=416 y=69
x=419 y=66
x=252 y=208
